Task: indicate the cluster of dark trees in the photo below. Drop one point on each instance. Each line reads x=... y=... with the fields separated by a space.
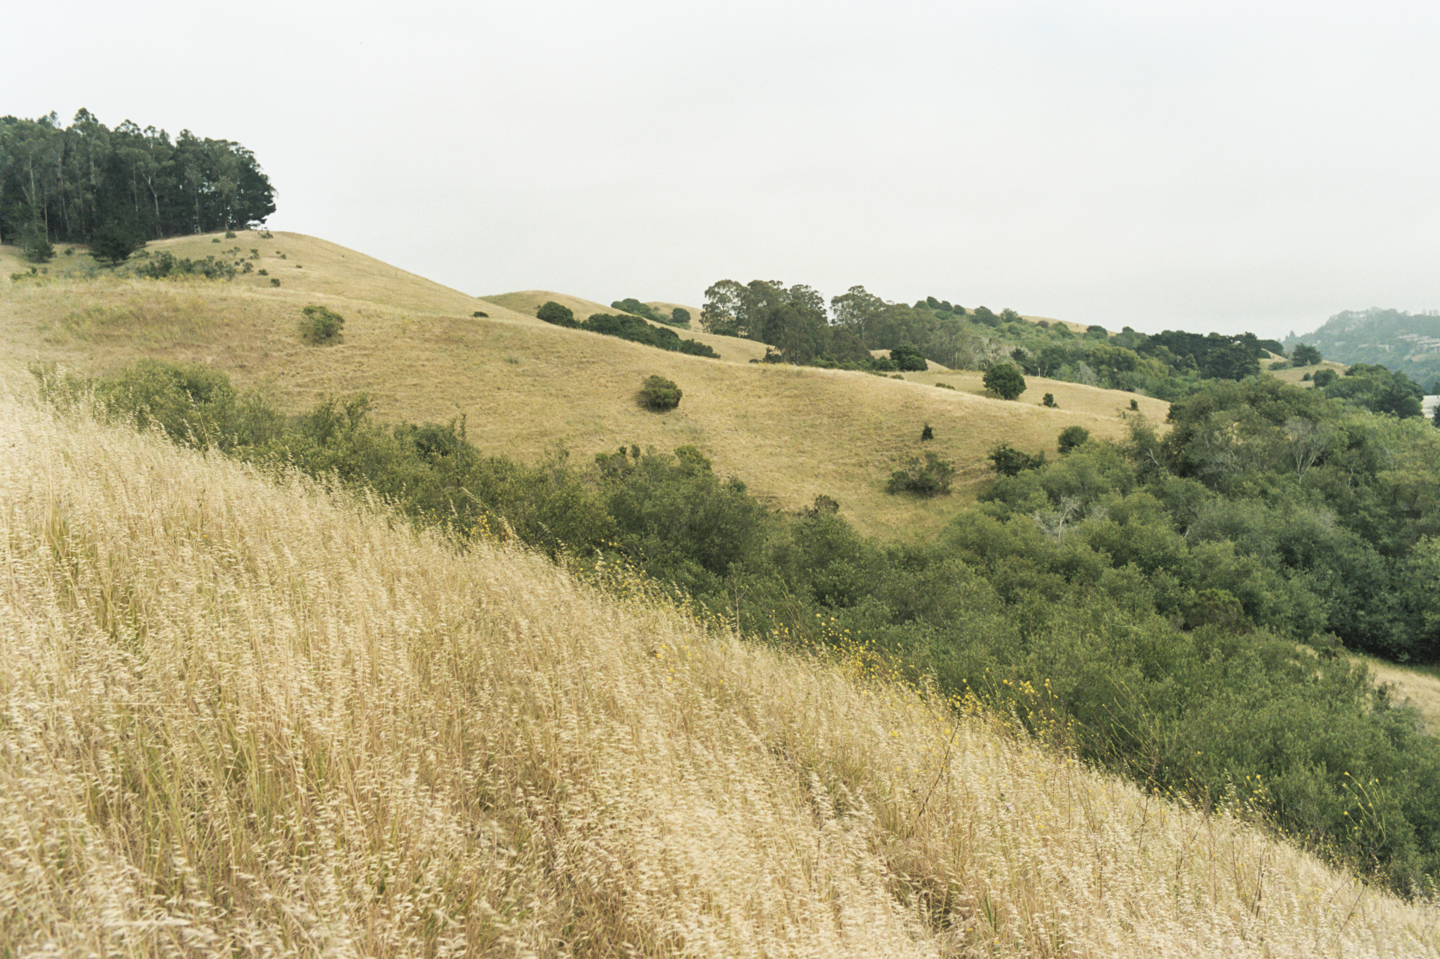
x=795 y=322
x=86 y=182
x=625 y=326
x=676 y=317
x=1173 y=608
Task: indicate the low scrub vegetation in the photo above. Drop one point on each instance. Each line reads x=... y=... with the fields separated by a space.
x=930 y=476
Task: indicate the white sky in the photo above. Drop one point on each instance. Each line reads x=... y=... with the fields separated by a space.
x=1198 y=165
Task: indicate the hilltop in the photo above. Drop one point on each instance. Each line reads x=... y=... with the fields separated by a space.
x=247 y=718
x=525 y=388
x=1407 y=343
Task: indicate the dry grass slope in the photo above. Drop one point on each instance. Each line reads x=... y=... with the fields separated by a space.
x=251 y=719
x=526 y=387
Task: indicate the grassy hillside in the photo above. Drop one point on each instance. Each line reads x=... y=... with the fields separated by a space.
x=249 y=720
x=525 y=387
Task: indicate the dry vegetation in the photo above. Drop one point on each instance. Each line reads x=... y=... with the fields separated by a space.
x=252 y=719
x=1419 y=685
x=525 y=387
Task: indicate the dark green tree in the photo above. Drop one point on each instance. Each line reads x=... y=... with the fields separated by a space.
x=1004 y=381
x=1305 y=355
x=35 y=246
x=1008 y=461
x=1072 y=437
x=909 y=359
x=114 y=241
x=552 y=312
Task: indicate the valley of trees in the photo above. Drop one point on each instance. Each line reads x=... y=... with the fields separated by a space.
x=88 y=184
x=1173 y=608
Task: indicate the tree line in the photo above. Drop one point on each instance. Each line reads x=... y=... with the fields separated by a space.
x=78 y=183
x=799 y=327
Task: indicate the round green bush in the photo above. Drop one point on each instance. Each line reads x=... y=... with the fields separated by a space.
x=320 y=324
x=660 y=394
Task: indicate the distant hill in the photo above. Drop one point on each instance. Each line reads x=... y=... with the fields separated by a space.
x=1407 y=343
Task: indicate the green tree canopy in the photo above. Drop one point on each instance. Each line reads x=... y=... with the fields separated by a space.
x=1005 y=381
x=79 y=180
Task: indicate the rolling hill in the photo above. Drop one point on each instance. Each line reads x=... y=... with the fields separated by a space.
x=526 y=388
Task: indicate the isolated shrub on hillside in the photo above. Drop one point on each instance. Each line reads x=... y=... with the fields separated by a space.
x=552 y=312
x=1073 y=436
x=928 y=433
x=1305 y=355
x=1004 y=381
x=1049 y=400
x=274 y=281
x=480 y=313
x=928 y=477
x=660 y=394
x=320 y=324
x=680 y=316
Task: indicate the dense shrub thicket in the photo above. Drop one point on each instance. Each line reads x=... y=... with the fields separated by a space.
x=1171 y=608
x=627 y=327
x=676 y=317
x=635 y=329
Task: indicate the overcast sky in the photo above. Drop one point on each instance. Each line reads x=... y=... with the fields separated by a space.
x=1206 y=166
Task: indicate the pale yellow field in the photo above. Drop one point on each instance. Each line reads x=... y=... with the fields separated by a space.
x=241 y=719
x=1295 y=376
x=1420 y=687
x=526 y=387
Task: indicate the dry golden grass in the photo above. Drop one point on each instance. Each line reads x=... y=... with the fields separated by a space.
x=251 y=719
x=1421 y=687
x=1295 y=376
x=525 y=386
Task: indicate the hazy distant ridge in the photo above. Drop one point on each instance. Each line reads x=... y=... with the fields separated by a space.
x=1408 y=343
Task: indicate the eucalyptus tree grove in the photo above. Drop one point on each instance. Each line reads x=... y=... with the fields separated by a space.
x=73 y=183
